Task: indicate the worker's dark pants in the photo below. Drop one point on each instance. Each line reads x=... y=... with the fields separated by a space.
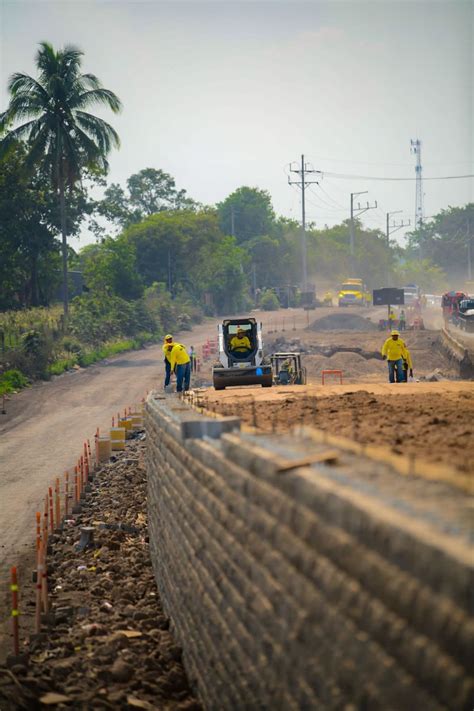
x=183 y=377
x=167 y=372
x=395 y=365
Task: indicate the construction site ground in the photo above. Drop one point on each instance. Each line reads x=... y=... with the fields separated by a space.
x=433 y=421
x=46 y=425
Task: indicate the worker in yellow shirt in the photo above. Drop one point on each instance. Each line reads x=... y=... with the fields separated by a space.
x=167 y=348
x=240 y=343
x=394 y=351
x=181 y=364
x=407 y=365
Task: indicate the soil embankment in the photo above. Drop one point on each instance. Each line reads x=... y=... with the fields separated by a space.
x=428 y=420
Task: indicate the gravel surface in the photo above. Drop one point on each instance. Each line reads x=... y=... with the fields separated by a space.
x=110 y=645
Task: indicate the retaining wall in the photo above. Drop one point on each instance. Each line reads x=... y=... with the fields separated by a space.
x=288 y=590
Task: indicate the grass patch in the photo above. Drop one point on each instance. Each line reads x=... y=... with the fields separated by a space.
x=12 y=380
x=88 y=357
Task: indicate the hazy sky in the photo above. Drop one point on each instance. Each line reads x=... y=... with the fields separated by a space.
x=223 y=94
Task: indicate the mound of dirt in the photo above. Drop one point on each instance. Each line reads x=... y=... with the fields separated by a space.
x=343 y=321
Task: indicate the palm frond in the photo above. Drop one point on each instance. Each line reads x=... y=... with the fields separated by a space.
x=103 y=97
x=99 y=129
x=22 y=132
x=46 y=60
x=84 y=82
x=23 y=83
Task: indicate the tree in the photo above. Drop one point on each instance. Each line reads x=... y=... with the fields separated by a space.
x=446 y=240
x=246 y=213
x=60 y=133
x=29 y=250
x=110 y=266
x=149 y=191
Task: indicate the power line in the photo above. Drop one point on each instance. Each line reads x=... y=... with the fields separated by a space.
x=345 y=176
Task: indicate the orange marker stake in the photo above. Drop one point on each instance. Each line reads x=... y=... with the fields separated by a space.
x=113 y=421
x=39 y=581
x=38 y=530
x=81 y=465
x=89 y=449
x=45 y=521
x=51 y=514
x=15 y=611
x=66 y=494
x=57 y=502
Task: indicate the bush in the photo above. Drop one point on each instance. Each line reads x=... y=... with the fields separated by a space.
x=12 y=380
x=269 y=301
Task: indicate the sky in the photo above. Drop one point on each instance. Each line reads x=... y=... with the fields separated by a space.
x=223 y=94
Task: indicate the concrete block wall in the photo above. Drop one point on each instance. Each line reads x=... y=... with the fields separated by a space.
x=287 y=591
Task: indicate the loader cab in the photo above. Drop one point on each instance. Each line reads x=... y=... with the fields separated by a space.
x=228 y=331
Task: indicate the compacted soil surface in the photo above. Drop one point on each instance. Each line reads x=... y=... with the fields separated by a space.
x=108 y=645
x=433 y=420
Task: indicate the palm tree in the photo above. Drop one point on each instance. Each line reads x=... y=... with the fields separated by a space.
x=60 y=133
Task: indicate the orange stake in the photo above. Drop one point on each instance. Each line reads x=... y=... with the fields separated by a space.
x=66 y=493
x=38 y=530
x=57 y=502
x=51 y=514
x=113 y=421
x=45 y=521
x=15 y=612
x=81 y=465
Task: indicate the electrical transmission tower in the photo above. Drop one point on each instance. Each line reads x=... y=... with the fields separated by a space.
x=416 y=149
x=355 y=212
x=303 y=183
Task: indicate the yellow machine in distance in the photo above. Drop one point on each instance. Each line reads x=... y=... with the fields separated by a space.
x=353 y=292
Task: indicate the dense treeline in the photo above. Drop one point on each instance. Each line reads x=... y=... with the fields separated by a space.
x=215 y=257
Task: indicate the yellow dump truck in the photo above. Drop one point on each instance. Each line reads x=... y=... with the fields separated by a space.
x=353 y=292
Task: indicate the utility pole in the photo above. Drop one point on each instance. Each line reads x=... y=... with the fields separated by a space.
x=355 y=212
x=391 y=228
x=303 y=184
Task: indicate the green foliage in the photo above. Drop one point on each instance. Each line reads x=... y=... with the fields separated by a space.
x=12 y=380
x=444 y=242
x=149 y=191
x=63 y=139
x=269 y=301
x=109 y=268
x=252 y=213
x=29 y=251
x=98 y=317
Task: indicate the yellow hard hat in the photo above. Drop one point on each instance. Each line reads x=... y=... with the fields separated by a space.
x=168 y=337
x=395 y=333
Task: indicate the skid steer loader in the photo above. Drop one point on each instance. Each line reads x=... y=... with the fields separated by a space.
x=246 y=366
